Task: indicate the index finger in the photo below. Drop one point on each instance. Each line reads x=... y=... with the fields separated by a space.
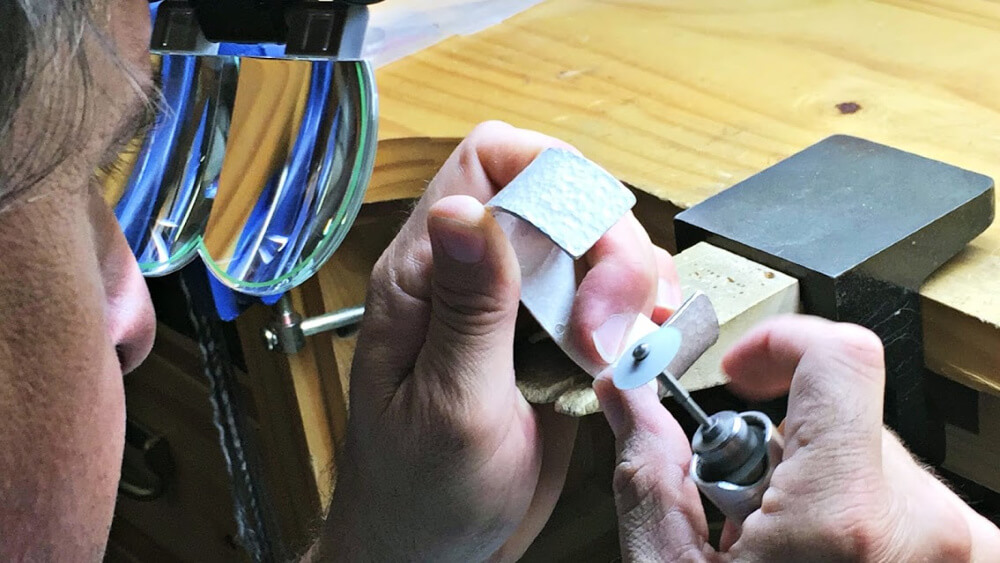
x=835 y=374
x=621 y=283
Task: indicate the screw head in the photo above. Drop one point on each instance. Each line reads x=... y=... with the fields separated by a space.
x=271 y=339
x=640 y=352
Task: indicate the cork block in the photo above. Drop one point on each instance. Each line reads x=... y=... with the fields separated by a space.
x=743 y=292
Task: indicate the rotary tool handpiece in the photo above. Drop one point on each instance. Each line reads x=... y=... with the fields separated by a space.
x=733 y=459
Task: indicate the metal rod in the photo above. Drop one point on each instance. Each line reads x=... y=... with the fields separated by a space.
x=333 y=320
x=684 y=398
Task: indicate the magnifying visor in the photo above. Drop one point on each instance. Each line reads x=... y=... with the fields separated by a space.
x=262 y=149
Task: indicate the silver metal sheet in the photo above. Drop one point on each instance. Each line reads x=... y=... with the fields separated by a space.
x=568 y=198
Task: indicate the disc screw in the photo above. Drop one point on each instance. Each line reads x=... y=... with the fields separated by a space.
x=640 y=352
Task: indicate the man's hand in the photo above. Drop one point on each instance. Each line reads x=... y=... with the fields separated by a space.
x=444 y=458
x=845 y=490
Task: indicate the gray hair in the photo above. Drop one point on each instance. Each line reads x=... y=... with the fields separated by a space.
x=44 y=74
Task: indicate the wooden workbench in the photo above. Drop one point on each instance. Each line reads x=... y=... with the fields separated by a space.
x=682 y=99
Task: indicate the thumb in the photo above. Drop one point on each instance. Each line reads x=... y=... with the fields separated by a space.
x=660 y=516
x=475 y=291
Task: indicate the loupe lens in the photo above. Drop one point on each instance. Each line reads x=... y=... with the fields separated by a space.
x=257 y=165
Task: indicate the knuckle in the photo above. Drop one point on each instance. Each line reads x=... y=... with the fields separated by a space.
x=449 y=426
x=468 y=157
x=445 y=425
x=382 y=273
x=626 y=281
x=380 y=299
x=858 y=530
x=859 y=339
x=640 y=274
x=777 y=499
x=474 y=311
x=634 y=486
x=847 y=515
x=864 y=539
x=487 y=129
x=955 y=541
x=652 y=509
x=400 y=275
x=630 y=479
x=641 y=481
x=383 y=294
x=467 y=152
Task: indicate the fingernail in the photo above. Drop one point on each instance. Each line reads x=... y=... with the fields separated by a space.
x=462 y=242
x=608 y=377
x=606 y=374
x=609 y=337
x=668 y=295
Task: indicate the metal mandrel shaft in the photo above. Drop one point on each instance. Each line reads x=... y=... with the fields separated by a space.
x=684 y=398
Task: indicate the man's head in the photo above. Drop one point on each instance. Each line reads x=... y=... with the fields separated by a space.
x=74 y=311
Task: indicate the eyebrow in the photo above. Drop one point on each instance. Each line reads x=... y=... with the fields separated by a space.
x=138 y=118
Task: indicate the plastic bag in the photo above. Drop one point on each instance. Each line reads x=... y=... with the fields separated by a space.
x=403 y=27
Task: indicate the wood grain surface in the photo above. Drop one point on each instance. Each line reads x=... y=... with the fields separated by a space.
x=682 y=99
